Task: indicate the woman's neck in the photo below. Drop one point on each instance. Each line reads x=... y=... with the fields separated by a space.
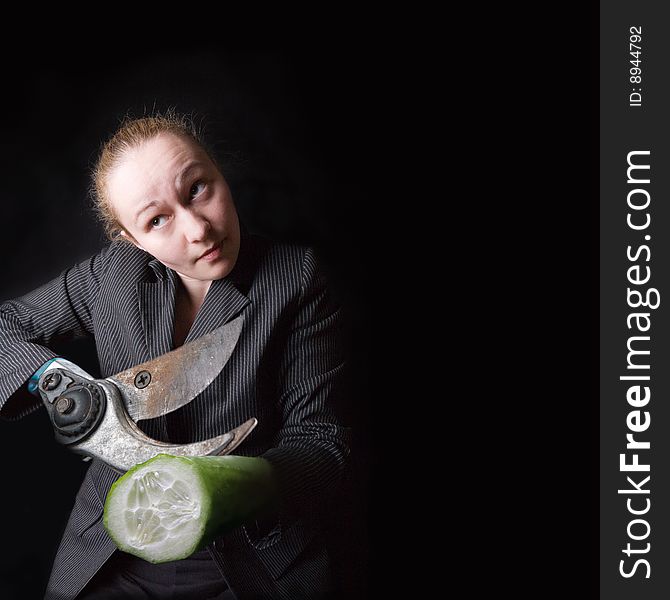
x=190 y=296
x=195 y=290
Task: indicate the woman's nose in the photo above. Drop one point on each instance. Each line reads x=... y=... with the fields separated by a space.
x=195 y=226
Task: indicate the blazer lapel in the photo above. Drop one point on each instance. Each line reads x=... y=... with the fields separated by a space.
x=222 y=303
x=226 y=298
x=156 y=301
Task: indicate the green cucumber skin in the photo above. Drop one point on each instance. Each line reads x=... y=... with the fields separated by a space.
x=232 y=490
x=239 y=487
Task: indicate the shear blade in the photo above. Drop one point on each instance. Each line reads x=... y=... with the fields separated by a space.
x=119 y=442
x=162 y=385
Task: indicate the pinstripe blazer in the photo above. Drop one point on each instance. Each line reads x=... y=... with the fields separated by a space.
x=285 y=371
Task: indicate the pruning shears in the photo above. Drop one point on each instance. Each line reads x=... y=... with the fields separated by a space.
x=98 y=417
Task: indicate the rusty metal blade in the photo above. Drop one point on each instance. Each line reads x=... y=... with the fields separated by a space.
x=238 y=435
x=159 y=386
x=121 y=444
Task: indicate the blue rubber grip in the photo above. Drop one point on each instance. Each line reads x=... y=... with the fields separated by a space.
x=35 y=377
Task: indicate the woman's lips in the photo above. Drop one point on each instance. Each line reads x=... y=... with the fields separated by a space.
x=212 y=254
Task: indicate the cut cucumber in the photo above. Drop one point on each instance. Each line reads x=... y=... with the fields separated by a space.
x=169 y=507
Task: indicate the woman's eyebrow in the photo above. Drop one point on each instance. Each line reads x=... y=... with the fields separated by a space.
x=194 y=164
x=144 y=207
x=185 y=171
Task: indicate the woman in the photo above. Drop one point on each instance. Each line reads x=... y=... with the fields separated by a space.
x=179 y=265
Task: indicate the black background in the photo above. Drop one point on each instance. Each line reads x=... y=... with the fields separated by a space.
x=454 y=199
x=307 y=131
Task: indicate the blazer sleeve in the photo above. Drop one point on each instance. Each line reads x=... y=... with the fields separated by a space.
x=311 y=452
x=30 y=324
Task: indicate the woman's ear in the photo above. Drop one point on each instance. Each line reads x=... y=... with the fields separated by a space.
x=130 y=238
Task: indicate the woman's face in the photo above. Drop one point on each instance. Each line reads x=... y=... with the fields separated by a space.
x=173 y=202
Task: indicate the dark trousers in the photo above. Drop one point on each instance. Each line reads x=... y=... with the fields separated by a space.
x=128 y=577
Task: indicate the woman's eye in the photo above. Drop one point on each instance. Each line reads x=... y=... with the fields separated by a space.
x=196 y=188
x=158 y=221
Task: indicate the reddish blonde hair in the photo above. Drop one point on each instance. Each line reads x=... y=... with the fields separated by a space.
x=131 y=133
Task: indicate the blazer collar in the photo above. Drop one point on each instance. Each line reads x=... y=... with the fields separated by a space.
x=225 y=299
